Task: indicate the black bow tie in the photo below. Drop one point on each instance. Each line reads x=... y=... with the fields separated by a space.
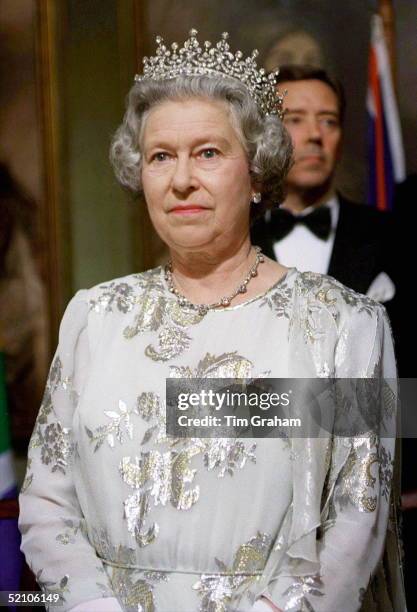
x=318 y=221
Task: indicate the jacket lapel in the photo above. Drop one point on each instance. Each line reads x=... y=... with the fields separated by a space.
x=352 y=261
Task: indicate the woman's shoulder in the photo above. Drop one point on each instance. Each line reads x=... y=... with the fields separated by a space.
x=324 y=290
x=122 y=293
x=327 y=304
x=334 y=315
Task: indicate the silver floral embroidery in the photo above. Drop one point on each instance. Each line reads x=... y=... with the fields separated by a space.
x=121 y=295
x=50 y=588
x=136 y=589
x=120 y=426
x=306 y=316
x=322 y=286
x=361 y=302
x=227 y=365
x=69 y=536
x=310 y=281
x=151 y=408
x=172 y=342
x=300 y=588
x=53 y=382
x=366 y=463
x=226 y=455
x=55 y=442
x=218 y=591
x=150 y=315
x=279 y=301
x=156 y=312
x=106 y=550
x=320 y=291
x=162 y=478
x=386 y=471
x=182 y=316
x=159 y=478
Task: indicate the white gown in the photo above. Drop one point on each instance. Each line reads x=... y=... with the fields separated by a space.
x=112 y=507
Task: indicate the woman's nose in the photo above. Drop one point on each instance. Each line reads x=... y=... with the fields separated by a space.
x=183 y=178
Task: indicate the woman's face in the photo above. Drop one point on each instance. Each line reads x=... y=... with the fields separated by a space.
x=195 y=175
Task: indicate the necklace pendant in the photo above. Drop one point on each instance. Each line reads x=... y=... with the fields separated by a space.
x=202 y=310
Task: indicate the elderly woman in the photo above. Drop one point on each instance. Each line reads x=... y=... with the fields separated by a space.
x=116 y=514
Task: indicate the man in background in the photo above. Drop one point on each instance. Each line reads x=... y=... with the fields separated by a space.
x=317 y=229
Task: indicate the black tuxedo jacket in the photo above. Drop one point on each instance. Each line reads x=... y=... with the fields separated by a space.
x=362 y=249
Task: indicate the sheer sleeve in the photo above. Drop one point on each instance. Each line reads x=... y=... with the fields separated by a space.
x=54 y=538
x=354 y=517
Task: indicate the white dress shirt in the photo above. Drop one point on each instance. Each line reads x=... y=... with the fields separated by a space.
x=303 y=249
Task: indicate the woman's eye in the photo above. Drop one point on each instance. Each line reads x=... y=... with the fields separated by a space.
x=209 y=153
x=159 y=157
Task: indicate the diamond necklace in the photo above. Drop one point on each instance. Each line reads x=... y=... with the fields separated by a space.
x=224 y=301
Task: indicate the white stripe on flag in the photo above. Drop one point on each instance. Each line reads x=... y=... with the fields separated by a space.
x=370 y=103
x=388 y=98
x=7 y=476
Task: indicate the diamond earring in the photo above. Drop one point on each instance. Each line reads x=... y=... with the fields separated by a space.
x=256 y=198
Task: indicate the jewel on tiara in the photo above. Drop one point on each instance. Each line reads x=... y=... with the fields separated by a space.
x=193 y=60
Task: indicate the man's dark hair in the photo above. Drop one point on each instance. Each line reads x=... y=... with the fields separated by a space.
x=305 y=72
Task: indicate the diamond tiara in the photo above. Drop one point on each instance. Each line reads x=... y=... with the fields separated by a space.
x=193 y=60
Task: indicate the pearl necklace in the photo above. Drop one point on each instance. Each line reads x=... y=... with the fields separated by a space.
x=224 y=301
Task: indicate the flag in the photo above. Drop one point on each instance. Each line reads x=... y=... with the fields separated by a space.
x=11 y=559
x=385 y=146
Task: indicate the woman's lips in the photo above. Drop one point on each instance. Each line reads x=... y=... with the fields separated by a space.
x=192 y=209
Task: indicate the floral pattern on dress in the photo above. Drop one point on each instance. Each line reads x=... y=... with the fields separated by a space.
x=53 y=382
x=114 y=294
x=161 y=477
x=368 y=464
x=279 y=301
x=52 y=588
x=73 y=528
x=134 y=587
x=297 y=593
x=56 y=445
x=320 y=291
x=119 y=428
x=218 y=591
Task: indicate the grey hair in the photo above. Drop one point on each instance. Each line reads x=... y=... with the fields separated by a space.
x=265 y=139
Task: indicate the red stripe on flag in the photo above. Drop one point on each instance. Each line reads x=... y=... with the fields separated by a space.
x=381 y=203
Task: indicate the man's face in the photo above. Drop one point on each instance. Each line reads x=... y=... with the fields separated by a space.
x=312 y=119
